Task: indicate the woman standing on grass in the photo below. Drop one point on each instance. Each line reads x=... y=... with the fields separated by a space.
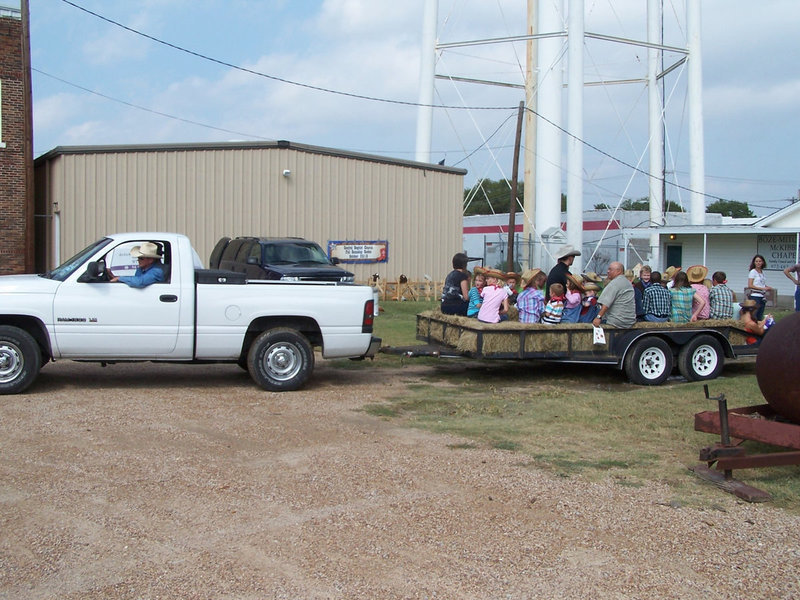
x=757 y=283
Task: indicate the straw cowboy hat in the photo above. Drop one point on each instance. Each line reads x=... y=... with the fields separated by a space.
x=494 y=273
x=512 y=275
x=577 y=282
x=696 y=273
x=592 y=276
x=527 y=276
x=670 y=272
x=146 y=250
x=748 y=304
x=566 y=251
x=591 y=287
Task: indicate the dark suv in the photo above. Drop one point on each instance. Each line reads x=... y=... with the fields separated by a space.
x=285 y=259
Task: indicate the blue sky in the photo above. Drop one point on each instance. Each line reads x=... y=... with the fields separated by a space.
x=372 y=48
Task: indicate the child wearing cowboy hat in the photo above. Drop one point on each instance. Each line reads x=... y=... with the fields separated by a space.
x=530 y=302
x=495 y=299
x=572 y=300
x=589 y=306
x=747 y=315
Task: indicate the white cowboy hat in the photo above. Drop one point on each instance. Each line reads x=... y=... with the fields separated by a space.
x=146 y=250
x=566 y=251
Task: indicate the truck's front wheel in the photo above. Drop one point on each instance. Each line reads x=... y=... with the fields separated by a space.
x=20 y=359
x=280 y=360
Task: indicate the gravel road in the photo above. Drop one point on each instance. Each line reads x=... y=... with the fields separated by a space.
x=158 y=481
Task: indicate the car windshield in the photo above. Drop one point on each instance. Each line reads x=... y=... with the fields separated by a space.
x=300 y=253
x=66 y=269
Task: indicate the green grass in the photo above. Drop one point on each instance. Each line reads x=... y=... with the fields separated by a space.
x=577 y=420
x=396 y=325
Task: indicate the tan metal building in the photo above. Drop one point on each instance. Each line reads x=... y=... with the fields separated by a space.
x=279 y=188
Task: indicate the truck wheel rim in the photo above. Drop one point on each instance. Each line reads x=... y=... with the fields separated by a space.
x=704 y=360
x=11 y=362
x=283 y=361
x=652 y=363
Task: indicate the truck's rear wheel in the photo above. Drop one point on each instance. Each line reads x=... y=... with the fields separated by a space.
x=280 y=360
x=20 y=359
x=649 y=362
x=702 y=358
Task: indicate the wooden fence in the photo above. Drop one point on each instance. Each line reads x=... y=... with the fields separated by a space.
x=403 y=289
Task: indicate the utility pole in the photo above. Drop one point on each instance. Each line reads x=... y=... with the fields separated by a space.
x=529 y=162
x=512 y=206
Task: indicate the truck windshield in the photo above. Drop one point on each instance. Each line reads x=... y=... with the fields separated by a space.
x=63 y=271
x=303 y=253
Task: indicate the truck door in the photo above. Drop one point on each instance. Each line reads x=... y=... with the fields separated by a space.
x=112 y=320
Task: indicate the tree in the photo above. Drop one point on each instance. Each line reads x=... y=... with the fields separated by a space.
x=730 y=208
x=640 y=204
x=496 y=195
x=491 y=197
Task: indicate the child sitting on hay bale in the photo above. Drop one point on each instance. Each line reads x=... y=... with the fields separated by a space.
x=572 y=300
x=475 y=300
x=495 y=299
x=530 y=302
x=555 y=306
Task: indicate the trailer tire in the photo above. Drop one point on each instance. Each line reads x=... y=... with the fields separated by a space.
x=701 y=359
x=20 y=359
x=649 y=361
x=280 y=360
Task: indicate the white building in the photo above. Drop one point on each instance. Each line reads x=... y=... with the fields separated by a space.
x=722 y=244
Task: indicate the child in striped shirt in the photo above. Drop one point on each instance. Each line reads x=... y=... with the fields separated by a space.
x=555 y=306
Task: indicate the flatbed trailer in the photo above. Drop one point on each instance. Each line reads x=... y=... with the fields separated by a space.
x=647 y=352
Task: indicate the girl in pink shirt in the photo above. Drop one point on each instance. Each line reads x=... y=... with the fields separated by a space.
x=495 y=300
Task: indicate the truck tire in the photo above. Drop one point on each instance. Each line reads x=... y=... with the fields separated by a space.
x=702 y=358
x=280 y=360
x=20 y=359
x=649 y=361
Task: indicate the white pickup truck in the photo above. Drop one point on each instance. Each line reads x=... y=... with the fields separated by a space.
x=195 y=316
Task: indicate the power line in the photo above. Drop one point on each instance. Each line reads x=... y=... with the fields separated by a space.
x=150 y=110
x=275 y=77
x=622 y=162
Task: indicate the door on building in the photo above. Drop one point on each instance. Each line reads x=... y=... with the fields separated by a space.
x=674 y=255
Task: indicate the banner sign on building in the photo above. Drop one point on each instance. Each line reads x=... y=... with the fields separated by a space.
x=780 y=251
x=359 y=252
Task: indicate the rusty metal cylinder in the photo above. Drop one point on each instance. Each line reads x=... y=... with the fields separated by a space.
x=778 y=367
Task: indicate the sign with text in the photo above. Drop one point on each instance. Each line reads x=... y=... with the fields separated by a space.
x=780 y=251
x=358 y=251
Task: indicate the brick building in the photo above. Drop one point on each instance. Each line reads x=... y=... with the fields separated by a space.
x=16 y=137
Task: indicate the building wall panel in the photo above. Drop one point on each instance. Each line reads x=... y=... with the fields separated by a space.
x=210 y=192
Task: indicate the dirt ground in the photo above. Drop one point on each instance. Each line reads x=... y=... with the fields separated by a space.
x=157 y=481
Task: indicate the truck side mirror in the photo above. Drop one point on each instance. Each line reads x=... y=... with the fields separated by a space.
x=95 y=271
x=335 y=260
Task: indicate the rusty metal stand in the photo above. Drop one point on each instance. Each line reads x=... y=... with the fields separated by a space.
x=728 y=454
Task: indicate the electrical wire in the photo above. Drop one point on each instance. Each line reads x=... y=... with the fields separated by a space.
x=150 y=110
x=275 y=77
